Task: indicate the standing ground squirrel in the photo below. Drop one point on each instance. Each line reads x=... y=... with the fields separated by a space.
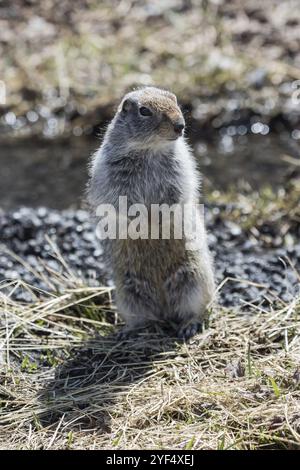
x=144 y=157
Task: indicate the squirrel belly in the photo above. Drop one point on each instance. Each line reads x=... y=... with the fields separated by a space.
x=145 y=158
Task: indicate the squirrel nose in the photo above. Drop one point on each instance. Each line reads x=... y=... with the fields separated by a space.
x=178 y=127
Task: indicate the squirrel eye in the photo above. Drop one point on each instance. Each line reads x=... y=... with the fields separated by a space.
x=145 y=111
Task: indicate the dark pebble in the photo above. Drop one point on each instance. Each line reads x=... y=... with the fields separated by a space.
x=236 y=255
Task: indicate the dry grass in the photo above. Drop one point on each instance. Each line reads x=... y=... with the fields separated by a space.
x=67 y=382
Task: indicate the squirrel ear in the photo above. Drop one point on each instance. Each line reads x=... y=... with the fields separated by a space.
x=126 y=105
x=172 y=97
x=169 y=95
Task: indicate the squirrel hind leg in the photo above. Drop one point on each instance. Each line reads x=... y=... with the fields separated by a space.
x=186 y=331
x=140 y=329
x=192 y=318
x=129 y=332
x=190 y=297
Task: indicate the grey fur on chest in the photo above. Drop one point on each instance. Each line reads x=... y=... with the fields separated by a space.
x=146 y=178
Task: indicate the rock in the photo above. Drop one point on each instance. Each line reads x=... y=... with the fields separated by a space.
x=236 y=255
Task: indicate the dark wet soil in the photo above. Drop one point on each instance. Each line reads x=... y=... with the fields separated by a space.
x=44 y=172
x=53 y=173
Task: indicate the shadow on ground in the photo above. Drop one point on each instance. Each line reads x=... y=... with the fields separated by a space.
x=87 y=385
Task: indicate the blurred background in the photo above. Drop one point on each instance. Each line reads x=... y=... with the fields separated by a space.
x=64 y=65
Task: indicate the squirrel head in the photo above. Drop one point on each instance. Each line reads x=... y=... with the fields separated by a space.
x=150 y=117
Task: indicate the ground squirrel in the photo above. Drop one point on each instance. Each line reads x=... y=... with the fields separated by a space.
x=145 y=157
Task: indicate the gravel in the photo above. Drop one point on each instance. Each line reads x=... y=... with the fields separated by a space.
x=257 y=274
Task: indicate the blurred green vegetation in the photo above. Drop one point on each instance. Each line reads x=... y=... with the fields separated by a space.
x=83 y=55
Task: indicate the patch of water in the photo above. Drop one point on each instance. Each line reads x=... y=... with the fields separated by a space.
x=53 y=172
